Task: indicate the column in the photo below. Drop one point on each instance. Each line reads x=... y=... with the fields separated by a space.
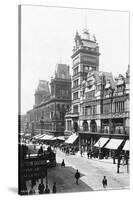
x=79 y=142
x=110 y=126
x=66 y=125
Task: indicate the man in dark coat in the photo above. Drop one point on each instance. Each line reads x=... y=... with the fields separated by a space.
x=104 y=182
x=47 y=190
x=54 y=187
x=63 y=163
x=41 y=187
x=77 y=176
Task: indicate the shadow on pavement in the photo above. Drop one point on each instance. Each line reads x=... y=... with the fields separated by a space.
x=65 y=179
x=13 y=190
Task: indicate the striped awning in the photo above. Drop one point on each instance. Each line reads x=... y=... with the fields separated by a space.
x=72 y=138
x=101 y=142
x=114 y=143
x=59 y=138
x=40 y=136
x=37 y=136
x=126 y=146
x=46 y=137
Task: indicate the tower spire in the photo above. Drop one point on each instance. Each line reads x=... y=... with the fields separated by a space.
x=85 y=19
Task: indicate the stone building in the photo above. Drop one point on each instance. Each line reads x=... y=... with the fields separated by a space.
x=85 y=57
x=51 y=103
x=104 y=106
x=100 y=102
x=41 y=92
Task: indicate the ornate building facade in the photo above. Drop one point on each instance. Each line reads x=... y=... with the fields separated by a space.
x=100 y=102
x=51 y=104
x=85 y=58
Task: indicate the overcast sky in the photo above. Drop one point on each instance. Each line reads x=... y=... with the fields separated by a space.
x=47 y=38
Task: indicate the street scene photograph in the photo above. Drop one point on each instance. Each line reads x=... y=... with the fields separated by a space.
x=74 y=106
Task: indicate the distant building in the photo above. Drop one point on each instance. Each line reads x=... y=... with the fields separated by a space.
x=42 y=92
x=22 y=123
x=51 y=103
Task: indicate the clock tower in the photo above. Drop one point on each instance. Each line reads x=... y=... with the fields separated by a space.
x=85 y=58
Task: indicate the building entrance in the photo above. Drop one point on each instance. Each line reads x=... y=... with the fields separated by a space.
x=75 y=126
x=85 y=126
x=93 y=126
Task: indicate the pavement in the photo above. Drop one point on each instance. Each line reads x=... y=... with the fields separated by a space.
x=95 y=169
x=92 y=172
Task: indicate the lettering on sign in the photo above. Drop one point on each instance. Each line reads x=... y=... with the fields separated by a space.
x=33 y=168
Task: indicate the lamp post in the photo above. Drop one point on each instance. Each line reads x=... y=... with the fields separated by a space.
x=118 y=164
x=47 y=172
x=99 y=144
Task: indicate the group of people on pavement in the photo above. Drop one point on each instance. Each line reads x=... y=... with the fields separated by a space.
x=69 y=150
x=41 y=188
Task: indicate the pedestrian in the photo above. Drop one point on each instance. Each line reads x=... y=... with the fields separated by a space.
x=123 y=160
x=77 y=176
x=88 y=154
x=126 y=158
x=81 y=152
x=47 y=190
x=63 y=163
x=41 y=187
x=32 y=190
x=104 y=182
x=91 y=154
x=54 y=187
x=41 y=149
x=33 y=183
x=118 y=164
x=34 y=146
x=113 y=155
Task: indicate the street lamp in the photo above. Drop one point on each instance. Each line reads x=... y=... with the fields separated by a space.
x=118 y=164
x=99 y=144
x=47 y=161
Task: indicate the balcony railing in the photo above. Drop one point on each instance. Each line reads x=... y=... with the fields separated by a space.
x=85 y=117
x=76 y=100
x=114 y=115
x=104 y=133
x=75 y=114
x=106 y=115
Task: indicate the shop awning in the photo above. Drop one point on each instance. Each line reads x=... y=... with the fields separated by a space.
x=37 y=136
x=54 y=138
x=40 y=136
x=72 y=138
x=126 y=146
x=46 y=137
x=59 y=138
x=114 y=144
x=101 y=142
x=27 y=135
